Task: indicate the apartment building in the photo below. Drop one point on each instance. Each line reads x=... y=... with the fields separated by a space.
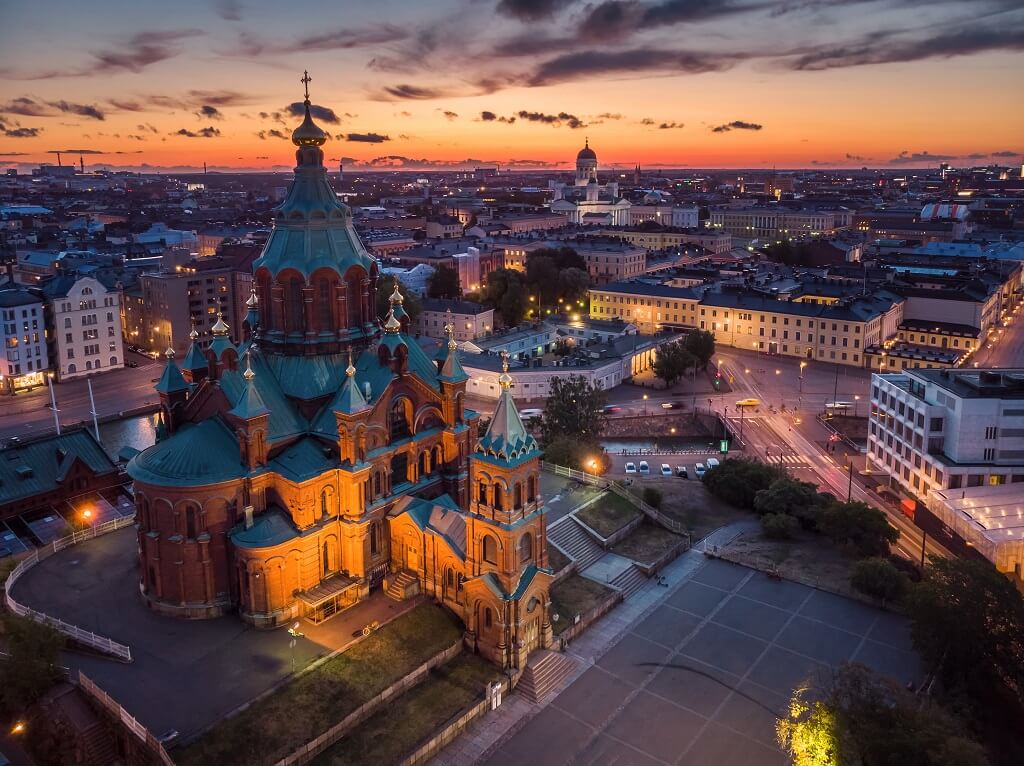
x=86 y=322
x=22 y=337
x=469 y=320
x=715 y=242
x=651 y=307
x=772 y=223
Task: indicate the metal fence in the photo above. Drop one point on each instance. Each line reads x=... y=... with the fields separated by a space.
x=86 y=637
x=588 y=478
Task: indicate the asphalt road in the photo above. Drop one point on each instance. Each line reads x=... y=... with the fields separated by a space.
x=1007 y=346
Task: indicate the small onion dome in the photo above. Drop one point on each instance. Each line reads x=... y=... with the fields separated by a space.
x=308 y=133
x=252 y=301
x=169 y=353
x=193 y=334
x=220 y=327
x=586 y=153
x=391 y=325
x=396 y=296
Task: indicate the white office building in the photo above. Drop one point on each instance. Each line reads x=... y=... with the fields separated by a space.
x=86 y=326
x=949 y=438
x=22 y=338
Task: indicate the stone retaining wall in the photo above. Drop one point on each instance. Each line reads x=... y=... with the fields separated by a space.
x=589 y=618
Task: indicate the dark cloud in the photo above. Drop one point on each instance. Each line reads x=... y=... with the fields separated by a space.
x=272 y=133
x=21 y=132
x=412 y=92
x=670 y=125
x=76 y=151
x=909 y=158
x=531 y=10
x=15 y=154
x=322 y=113
x=572 y=66
x=856 y=157
x=884 y=49
x=336 y=39
x=486 y=116
x=610 y=116
x=1006 y=154
x=210 y=132
x=146 y=127
x=367 y=138
x=32 y=108
x=138 y=52
x=562 y=118
x=681 y=11
x=450 y=114
x=207 y=111
x=229 y=10
x=26 y=107
x=647 y=121
x=617 y=19
x=84 y=110
x=220 y=97
x=736 y=125
x=610 y=20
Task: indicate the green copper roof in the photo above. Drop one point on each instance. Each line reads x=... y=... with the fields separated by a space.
x=250 y=404
x=196 y=454
x=172 y=380
x=304 y=459
x=36 y=467
x=272 y=527
x=452 y=370
x=308 y=377
x=350 y=399
x=220 y=344
x=285 y=419
x=506 y=437
x=194 y=359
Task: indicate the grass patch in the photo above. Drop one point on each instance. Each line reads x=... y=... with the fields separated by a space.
x=557 y=560
x=575 y=595
x=410 y=718
x=608 y=514
x=647 y=543
x=315 y=701
x=688 y=502
x=807 y=558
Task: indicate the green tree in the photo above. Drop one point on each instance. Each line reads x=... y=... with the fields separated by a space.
x=701 y=344
x=577 y=454
x=799 y=499
x=386 y=286
x=968 y=624
x=672 y=361
x=859 y=526
x=778 y=526
x=737 y=480
x=506 y=294
x=863 y=718
x=542 y=277
x=574 y=410
x=444 y=283
x=573 y=284
x=877 y=577
x=652 y=496
x=32 y=666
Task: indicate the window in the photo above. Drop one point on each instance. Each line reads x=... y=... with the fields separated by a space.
x=190 y=522
x=935 y=424
x=497 y=501
x=490 y=550
x=525 y=548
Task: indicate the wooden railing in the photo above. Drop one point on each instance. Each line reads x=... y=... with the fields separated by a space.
x=646 y=508
x=82 y=636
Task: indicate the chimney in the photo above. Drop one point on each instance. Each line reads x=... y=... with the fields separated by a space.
x=248 y=516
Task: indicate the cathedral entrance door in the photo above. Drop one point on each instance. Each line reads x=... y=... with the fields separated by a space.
x=412 y=558
x=531 y=635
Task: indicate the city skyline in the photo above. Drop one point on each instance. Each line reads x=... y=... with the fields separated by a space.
x=674 y=83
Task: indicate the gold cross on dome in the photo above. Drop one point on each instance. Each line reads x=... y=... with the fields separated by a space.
x=306 y=79
x=504 y=361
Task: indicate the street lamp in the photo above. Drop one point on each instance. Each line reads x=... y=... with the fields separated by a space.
x=802 y=365
x=645 y=404
x=293 y=631
x=856 y=404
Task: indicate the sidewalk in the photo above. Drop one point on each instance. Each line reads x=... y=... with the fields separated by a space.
x=488 y=733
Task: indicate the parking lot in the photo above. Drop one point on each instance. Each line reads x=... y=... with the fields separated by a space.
x=704 y=676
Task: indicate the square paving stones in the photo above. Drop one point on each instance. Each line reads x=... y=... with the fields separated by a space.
x=594 y=696
x=724 y=648
x=720 y=574
x=605 y=751
x=719 y=746
x=660 y=730
x=783 y=670
x=633 y=659
x=840 y=612
x=692 y=685
x=696 y=598
x=667 y=626
x=819 y=641
x=904 y=666
x=780 y=593
x=748 y=713
x=550 y=739
x=752 y=617
x=892 y=629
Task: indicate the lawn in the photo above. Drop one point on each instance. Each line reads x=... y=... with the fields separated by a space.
x=557 y=560
x=608 y=514
x=315 y=701
x=647 y=543
x=687 y=501
x=412 y=717
x=575 y=595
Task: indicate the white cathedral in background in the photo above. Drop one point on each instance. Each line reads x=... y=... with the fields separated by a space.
x=588 y=201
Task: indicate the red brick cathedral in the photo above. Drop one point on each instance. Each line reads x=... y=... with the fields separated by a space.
x=326 y=455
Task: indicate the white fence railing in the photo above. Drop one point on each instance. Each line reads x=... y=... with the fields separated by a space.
x=93 y=640
x=588 y=478
x=114 y=707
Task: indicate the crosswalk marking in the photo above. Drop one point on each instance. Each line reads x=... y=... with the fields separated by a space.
x=793 y=460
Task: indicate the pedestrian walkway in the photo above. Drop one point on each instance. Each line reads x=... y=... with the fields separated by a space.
x=486 y=734
x=793 y=461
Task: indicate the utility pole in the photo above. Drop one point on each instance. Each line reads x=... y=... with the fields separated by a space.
x=53 y=402
x=92 y=411
x=924 y=536
x=849 y=484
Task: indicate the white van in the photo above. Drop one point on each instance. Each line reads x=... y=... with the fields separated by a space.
x=713 y=463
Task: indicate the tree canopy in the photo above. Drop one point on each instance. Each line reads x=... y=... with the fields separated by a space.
x=737 y=480
x=858 y=526
x=701 y=344
x=672 y=361
x=506 y=293
x=573 y=410
x=444 y=283
x=32 y=665
x=799 y=499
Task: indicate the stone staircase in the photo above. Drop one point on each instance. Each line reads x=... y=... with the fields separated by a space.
x=576 y=542
x=544 y=672
x=99 y=746
x=402 y=586
x=629 y=581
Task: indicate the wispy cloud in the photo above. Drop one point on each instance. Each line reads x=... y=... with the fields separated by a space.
x=367 y=138
x=209 y=132
x=486 y=116
x=322 y=113
x=736 y=125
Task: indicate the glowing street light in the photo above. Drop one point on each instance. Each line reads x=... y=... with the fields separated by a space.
x=645 y=404
x=18 y=728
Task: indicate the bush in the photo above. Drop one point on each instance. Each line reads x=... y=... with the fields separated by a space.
x=738 y=480
x=32 y=665
x=778 y=526
x=864 y=529
x=878 y=577
x=799 y=499
x=652 y=497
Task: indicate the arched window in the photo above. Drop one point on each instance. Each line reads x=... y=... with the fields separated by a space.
x=490 y=546
x=435 y=464
x=327 y=559
x=376 y=541
x=518 y=496
x=482 y=493
x=354 y=300
x=113 y=361
x=497 y=504
x=424 y=468
x=488 y=617
x=450 y=581
x=88 y=365
x=376 y=484
x=531 y=489
x=190 y=522
x=325 y=503
x=525 y=548
x=325 y=306
x=72 y=368
x=397 y=420
x=293 y=304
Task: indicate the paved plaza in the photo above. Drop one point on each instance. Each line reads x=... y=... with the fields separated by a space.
x=702 y=677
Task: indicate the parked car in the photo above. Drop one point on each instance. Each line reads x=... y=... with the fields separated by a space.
x=630 y=467
x=644 y=467
x=699 y=470
x=666 y=469
x=713 y=463
x=682 y=472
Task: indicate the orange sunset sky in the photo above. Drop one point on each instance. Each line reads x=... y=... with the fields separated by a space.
x=697 y=83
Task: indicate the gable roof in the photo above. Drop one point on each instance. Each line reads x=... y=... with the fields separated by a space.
x=37 y=467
